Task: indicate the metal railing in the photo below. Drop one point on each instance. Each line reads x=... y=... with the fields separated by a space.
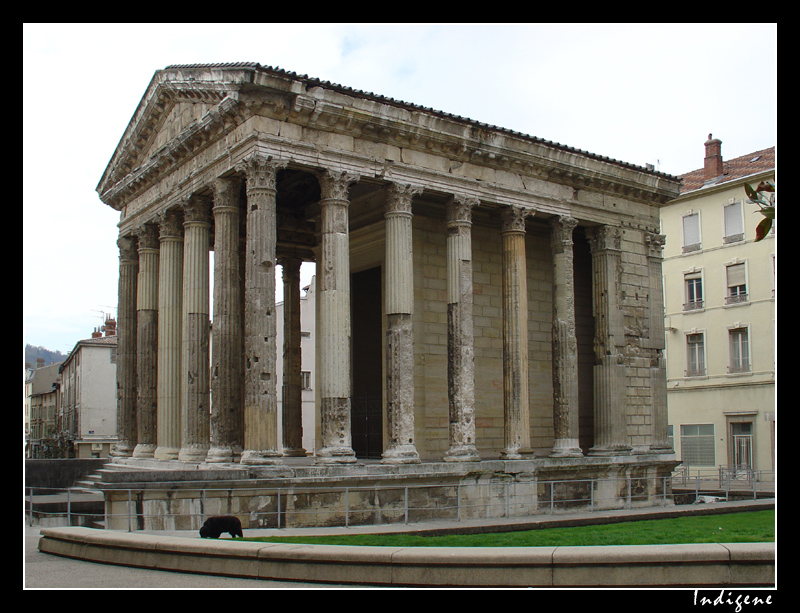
x=725 y=481
x=185 y=508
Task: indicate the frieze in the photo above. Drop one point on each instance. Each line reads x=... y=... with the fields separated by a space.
x=361 y=116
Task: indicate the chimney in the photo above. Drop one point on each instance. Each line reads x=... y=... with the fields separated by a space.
x=713 y=163
x=111 y=327
x=97 y=333
x=39 y=362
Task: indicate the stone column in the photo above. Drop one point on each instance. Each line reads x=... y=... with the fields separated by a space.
x=260 y=343
x=399 y=329
x=126 y=348
x=515 y=335
x=292 y=404
x=196 y=332
x=565 y=344
x=460 y=334
x=333 y=327
x=658 y=370
x=609 y=370
x=147 y=342
x=170 y=326
x=227 y=419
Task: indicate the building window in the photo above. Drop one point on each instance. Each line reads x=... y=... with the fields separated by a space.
x=691 y=232
x=305 y=382
x=695 y=355
x=697 y=445
x=740 y=350
x=734 y=224
x=694 y=291
x=737 y=285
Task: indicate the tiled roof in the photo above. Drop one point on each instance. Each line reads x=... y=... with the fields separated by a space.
x=312 y=82
x=737 y=168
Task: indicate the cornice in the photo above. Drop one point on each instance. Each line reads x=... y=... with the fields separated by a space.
x=241 y=91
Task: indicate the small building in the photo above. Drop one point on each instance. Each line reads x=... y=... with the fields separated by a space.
x=87 y=408
x=41 y=391
x=720 y=307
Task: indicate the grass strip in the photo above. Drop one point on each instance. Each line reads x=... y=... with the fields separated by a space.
x=749 y=527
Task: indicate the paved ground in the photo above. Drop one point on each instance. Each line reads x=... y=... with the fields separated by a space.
x=48 y=571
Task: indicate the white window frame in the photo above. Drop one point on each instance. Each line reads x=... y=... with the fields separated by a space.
x=689 y=278
x=733 y=237
x=745 y=364
x=688 y=248
x=699 y=368
x=739 y=297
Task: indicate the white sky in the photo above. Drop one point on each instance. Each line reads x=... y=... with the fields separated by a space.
x=638 y=93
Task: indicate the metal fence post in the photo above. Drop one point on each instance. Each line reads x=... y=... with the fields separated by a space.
x=405 y=503
x=346 y=507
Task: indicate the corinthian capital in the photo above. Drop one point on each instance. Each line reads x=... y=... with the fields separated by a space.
x=127 y=249
x=148 y=236
x=399 y=196
x=225 y=193
x=655 y=244
x=196 y=210
x=335 y=184
x=604 y=238
x=261 y=170
x=459 y=209
x=513 y=219
x=562 y=233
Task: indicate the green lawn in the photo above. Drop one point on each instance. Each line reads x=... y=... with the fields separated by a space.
x=753 y=527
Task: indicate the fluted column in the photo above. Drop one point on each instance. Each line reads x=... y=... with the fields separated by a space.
x=260 y=342
x=333 y=326
x=126 y=348
x=565 y=344
x=170 y=326
x=658 y=370
x=609 y=371
x=196 y=332
x=460 y=331
x=227 y=413
x=399 y=329
x=292 y=403
x=147 y=342
x=515 y=335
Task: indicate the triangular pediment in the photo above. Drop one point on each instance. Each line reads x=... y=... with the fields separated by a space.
x=177 y=102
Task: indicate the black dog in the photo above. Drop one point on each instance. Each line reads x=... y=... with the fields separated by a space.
x=218 y=524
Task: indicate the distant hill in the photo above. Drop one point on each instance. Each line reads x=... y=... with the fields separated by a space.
x=50 y=357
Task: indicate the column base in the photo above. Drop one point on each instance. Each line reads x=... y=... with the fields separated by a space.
x=336 y=455
x=193 y=453
x=401 y=454
x=566 y=448
x=661 y=449
x=298 y=452
x=122 y=451
x=609 y=450
x=166 y=453
x=517 y=454
x=462 y=453
x=144 y=451
x=222 y=455
x=261 y=458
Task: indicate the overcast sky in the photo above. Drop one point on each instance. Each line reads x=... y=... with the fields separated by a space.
x=637 y=93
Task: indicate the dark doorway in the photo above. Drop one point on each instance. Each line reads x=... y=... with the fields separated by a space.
x=367 y=398
x=584 y=332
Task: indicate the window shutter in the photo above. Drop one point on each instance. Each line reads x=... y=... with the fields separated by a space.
x=735 y=275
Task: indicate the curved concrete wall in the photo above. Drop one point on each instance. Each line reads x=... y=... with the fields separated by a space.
x=707 y=565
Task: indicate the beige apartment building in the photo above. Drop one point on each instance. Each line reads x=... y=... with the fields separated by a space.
x=719 y=296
